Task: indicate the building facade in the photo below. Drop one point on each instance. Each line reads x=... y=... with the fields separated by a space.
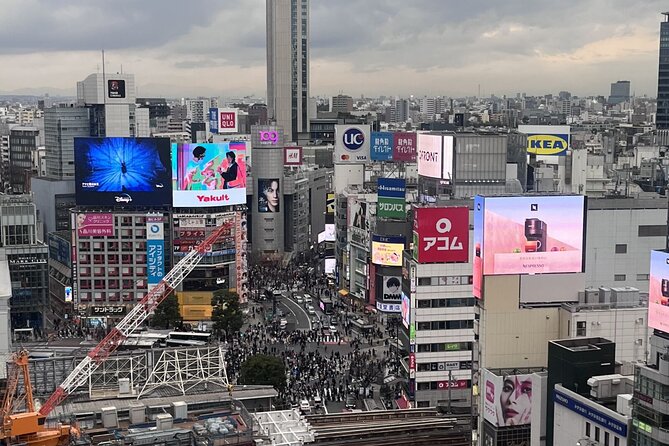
x=23 y=143
x=61 y=125
x=662 y=118
x=288 y=65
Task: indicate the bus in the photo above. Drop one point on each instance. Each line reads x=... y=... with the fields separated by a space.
x=325 y=304
x=144 y=339
x=188 y=338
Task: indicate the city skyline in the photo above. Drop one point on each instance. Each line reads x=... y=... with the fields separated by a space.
x=391 y=49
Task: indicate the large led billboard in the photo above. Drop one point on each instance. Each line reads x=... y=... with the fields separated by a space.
x=122 y=171
x=441 y=234
x=352 y=143
x=507 y=399
x=447 y=171
x=392 y=288
x=546 y=139
x=269 y=195
x=405 y=311
x=658 y=291
x=529 y=234
x=429 y=155
x=205 y=175
x=387 y=250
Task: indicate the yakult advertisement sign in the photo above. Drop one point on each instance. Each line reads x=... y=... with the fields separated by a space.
x=352 y=143
x=441 y=235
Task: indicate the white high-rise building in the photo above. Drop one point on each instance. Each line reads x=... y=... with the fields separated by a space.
x=288 y=65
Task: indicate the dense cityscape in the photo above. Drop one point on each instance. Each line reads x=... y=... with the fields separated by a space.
x=287 y=268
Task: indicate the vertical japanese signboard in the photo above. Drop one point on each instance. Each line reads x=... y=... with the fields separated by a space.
x=155 y=250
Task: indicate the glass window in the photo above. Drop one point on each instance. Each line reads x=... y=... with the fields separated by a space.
x=619 y=277
x=621 y=249
x=597 y=433
x=581 y=328
x=587 y=429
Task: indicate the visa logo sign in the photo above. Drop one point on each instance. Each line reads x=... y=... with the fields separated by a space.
x=548 y=144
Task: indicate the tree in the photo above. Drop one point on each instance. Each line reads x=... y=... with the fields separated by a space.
x=264 y=369
x=167 y=314
x=227 y=314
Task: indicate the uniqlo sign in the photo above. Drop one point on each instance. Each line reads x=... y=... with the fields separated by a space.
x=227 y=120
x=441 y=234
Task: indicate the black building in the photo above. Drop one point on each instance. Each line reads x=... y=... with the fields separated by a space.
x=662 y=119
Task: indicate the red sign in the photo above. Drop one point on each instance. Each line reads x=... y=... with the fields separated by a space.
x=404 y=147
x=292 y=156
x=227 y=121
x=441 y=235
x=456 y=384
x=412 y=361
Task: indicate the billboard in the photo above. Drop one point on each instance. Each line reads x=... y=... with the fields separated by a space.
x=429 y=155
x=223 y=120
x=404 y=147
x=406 y=311
x=358 y=214
x=68 y=294
x=292 y=156
x=507 y=399
x=529 y=234
x=387 y=250
x=392 y=288
x=352 y=143
x=155 y=249
x=116 y=88
x=382 y=146
x=546 y=139
x=213 y=120
x=330 y=204
x=448 y=150
x=59 y=249
x=441 y=234
x=267 y=136
x=392 y=198
x=269 y=195
x=122 y=171
x=95 y=225
x=205 y=175
x=241 y=259
x=658 y=291
x=330 y=265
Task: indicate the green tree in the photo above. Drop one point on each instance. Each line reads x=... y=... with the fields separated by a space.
x=167 y=314
x=264 y=369
x=227 y=314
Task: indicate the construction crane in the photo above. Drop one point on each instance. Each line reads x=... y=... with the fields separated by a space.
x=131 y=322
x=26 y=428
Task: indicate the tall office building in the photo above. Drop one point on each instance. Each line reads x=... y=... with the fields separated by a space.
x=61 y=125
x=620 y=92
x=288 y=65
x=23 y=143
x=662 y=119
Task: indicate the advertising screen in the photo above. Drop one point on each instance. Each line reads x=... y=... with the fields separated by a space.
x=205 y=175
x=292 y=156
x=352 y=143
x=155 y=249
x=392 y=198
x=441 y=234
x=269 y=195
x=447 y=173
x=95 y=225
x=358 y=214
x=382 y=146
x=392 y=288
x=404 y=147
x=406 y=311
x=330 y=204
x=658 y=291
x=387 y=250
x=429 y=155
x=116 y=88
x=529 y=234
x=330 y=265
x=507 y=399
x=122 y=171
x=546 y=139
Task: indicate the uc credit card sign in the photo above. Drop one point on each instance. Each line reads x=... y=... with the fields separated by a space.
x=546 y=139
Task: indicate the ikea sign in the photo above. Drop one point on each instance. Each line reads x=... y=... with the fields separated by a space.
x=546 y=139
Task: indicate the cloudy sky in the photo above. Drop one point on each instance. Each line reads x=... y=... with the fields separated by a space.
x=372 y=47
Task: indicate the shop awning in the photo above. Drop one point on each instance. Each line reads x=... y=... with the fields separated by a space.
x=343 y=293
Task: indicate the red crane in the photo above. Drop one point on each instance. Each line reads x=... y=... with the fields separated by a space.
x=132 y=321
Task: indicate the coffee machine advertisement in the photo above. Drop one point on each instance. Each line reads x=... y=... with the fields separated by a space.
x=531 y=234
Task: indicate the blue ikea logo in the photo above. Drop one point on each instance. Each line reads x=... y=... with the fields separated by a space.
x=548 y=144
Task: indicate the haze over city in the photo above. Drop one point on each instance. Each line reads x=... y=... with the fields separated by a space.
x=375 y=47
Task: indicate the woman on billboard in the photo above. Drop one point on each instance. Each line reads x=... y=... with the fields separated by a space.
x=515 y=400
x=229 y=174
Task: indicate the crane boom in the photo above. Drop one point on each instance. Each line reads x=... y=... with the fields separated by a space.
x=133 y=320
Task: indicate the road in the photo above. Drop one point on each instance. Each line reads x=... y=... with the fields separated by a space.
x=301 y=317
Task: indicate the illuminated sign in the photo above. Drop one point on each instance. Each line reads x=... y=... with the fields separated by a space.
x=352 y=143
x=405 y=310
x=392 y=198
x=546 y=139
x=95 y=225
x=404 y=147
x=429 y=155
x=387 y=250
x=658 y=291
x=267 y=136
x=507 y=399
x=441 y=235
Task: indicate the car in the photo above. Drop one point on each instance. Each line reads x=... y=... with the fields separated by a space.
x=351 y=401
x=315 y=320
x=299 y=299
x=279 y=312
x=305 y=407
x=318 y=402
x=311 y=309
x=307 y=298
x=283 y=324
x=332 y=329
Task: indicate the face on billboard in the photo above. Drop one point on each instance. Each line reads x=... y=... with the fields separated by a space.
x=209 y=174
x=429 y=155
x=392 y=288
x=442 y=234
x=122 y=171
x=269 y=195
x=658 y=291
x=508 y=399
x=404 y=147
x=387 y=250
x=530 y=234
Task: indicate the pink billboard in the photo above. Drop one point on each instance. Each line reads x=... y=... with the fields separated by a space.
x=404 y=146
x=658 y=291
x=429 y=156
x=95 y=225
